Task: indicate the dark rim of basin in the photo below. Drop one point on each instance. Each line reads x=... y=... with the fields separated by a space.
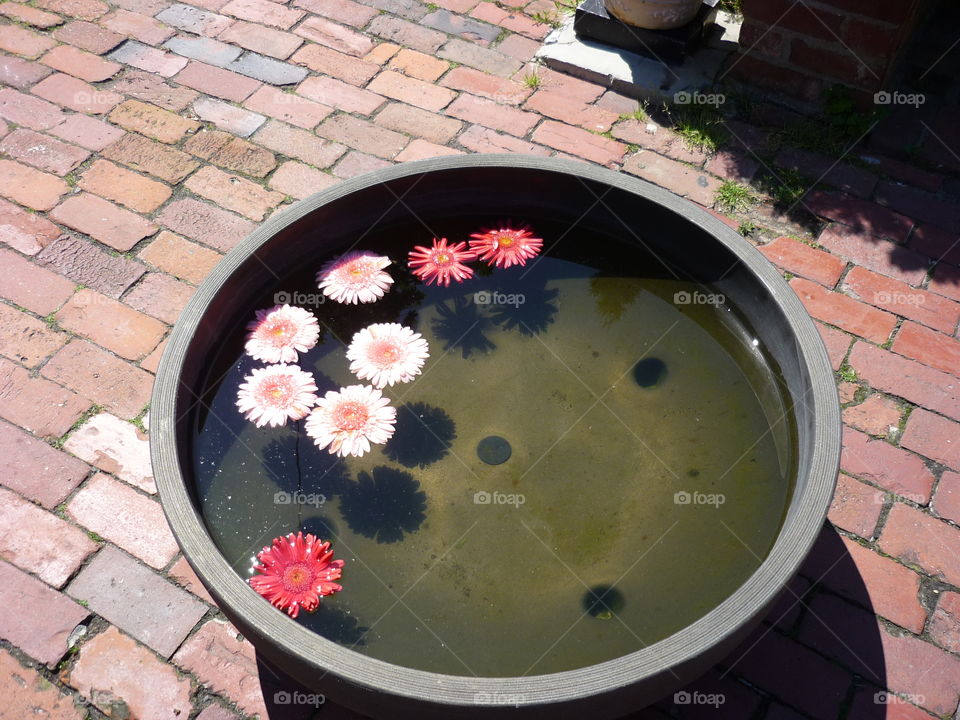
x=279 y=638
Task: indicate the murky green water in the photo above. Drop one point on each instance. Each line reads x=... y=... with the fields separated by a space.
x=454 y=565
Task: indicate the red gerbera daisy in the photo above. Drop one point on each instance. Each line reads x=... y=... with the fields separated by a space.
x=441 y=262
x=506 y=246
x=296 y=572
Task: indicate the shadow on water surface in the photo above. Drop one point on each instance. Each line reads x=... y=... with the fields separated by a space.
x=461 y=326
x=385 y=505
x=423 y=435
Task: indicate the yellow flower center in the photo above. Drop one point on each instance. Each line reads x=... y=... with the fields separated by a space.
x=505 y=240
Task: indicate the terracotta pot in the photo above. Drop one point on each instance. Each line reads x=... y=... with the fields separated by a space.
x=653 y=14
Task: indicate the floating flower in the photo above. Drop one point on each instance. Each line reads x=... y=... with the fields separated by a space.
x=279 y=333
x=355 y=277
x=387 y=354
x=441 y=262
x=506 y=246
x=275 y=393
x=296 y=572
x=349 y=420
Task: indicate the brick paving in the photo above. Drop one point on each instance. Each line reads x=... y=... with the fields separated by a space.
x=142 y=139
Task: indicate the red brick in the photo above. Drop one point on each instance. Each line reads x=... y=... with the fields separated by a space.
x=381 y=53
x=936 y=244
x=898 y=297
x=80 y=64
x=946 y=281
x=77 y=95
x=844 y=312
x=865 y=706
x=198 y=22
x=362 y=135
x=151 y=59
x=264 y=40
x=180 y=257
x=482 y=139
x=558 y=82
x=921 y=670
x=87 y=132
x=861 y=215
x=29 y=694
x=153 y=89
x=20 y=41
x=732 y=166
x=837 y=344
x=420 y=149
x=945 y=622
x=345 y=11
x=263 y=12
x=889 y=467
x=341 y=95
x=233 y=193
x=923 y=206
x=226 y=116
x=877 y=415
x=152 y=121
x=83 y=9
x=142 y=154
x=881 y=256
x=488 y=113
x=495 y=88
x=856 y=507
x=905 y=172
x=123 y=186
x=459 y=6
x=152 y=361
x=357 y=163
x=563 y=108
x=511 y=20
x=919 y=539
x=29 y=111
x=847 y=392
x=160 y=296
x=183 y=575
x=113 y=671
x=579 y=142
x=410 y=90
x=103 y=221
x=414 y=121
x=521 y=48
x=221 y=659
x=419 y=65
x=662 y=139
x=42 y=151
x=231 y=152
x=125 y=517
x=40 y=542
x=115 y=447
x=805 y=261
x=673 y=175
x=946 y=503
x=826 y=169
x=100 y=377
x=136 y=25
x=88 y=36
x=31 y=286
x=216 y=81
x=25 y=339
x=299 y=144
x=36 y=619
x=36 y=470
x=109 y=323
x=326 y=61
x=334 y=36
x=205 y=223
x=21 y=73
x=406 y=33
x=30 y=15
x=934 y=436
x=299 y=181
x=931 y=348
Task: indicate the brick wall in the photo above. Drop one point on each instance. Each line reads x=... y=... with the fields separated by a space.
x=799 y=47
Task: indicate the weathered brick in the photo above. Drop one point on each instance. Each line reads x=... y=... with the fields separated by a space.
x=414 y=121
x=945 y=622
x=113 y=672
x=523 y=49
x=103 y=221
x=115 y=447
x=406 y=33
x=221 y=659
x=563 y=108
x=732 y=166
x=263 y=12
x=651 y=136
x=216 y=81
x=823 y=168
x=674 y=176
x=837 y=343
x=152 y=121
x=844 y=312
x=19 y=73
x=946 y=503
x=185 y=577
x=296 y=143
x=204 y=49
x=362 y=135
x=289 y=107
x=152 y=7
x=228 y=117
x=475 y=82
x=357 y=163
x=862 y=215
x=264 y=40
x=341 y=95
x=887 y=466
x=233 y=193
x=75 y=94
x=922 y=540
x=232 y=153
x=143 y=154
x=805 y=261
x=880 y=256
x=111 y=324
x=345 y=11
x=299 y=180
x=856 y=507
x=420 y=149
x=898 y=297
x=123 y=516
x=191 y=19
x=115 y=183
x=30 y=15
x=137 y=25
x=152 y=361
x=934 y=436
x=33 y=695
x=418 y=65
x=31 y=286
x=877 y=415
x=24 y=231
x=42 y=151
x=931 y=348
x=462 y=26
x=153 y=89
x=137 y=600
x=511 y=20
x=936 y=243
x=20 y=41
x=86 y=264
x=267 y=69
x=334 y=36
x=87 y=132
x=918 y=204
x=205 y=223
x=25 y=339
x=37 y=619
x=88 y=36
x=409 y=9
x=80 y=64
x=896 y=375
x=482 y=139
x=83 y=9
x=36 y=470
x=484 y=59
x=180 y=257
x=410 y=90
x=490 y=114
x=100 y=377
x=28 y=111
x=382 y=53
x=160 y=296
x=148 y=58
x=327 y=61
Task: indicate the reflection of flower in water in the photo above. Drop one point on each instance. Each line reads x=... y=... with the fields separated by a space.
x=423 y=435
x=349 y=420
x=296 y=571
x=276 y=393
x=441 y=262
x=613 y=295
x=279 y=333
x=506 y=246
x=355 y=277
x=461 y=326
x=385 y=505
x=387 y=353
x=531 y=317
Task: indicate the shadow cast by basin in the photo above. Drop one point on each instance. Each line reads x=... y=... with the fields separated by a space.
x=385 y=505
x=422 y=436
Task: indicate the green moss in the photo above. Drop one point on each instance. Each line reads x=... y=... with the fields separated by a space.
x=732 y=197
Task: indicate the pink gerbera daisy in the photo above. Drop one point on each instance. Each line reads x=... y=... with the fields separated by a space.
x=387 y=353
x=441 y=262
x=355 y=277
x=279 y=333
x=276 y=393
x=506 y=246
x=296 y=572
x=349 y=420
